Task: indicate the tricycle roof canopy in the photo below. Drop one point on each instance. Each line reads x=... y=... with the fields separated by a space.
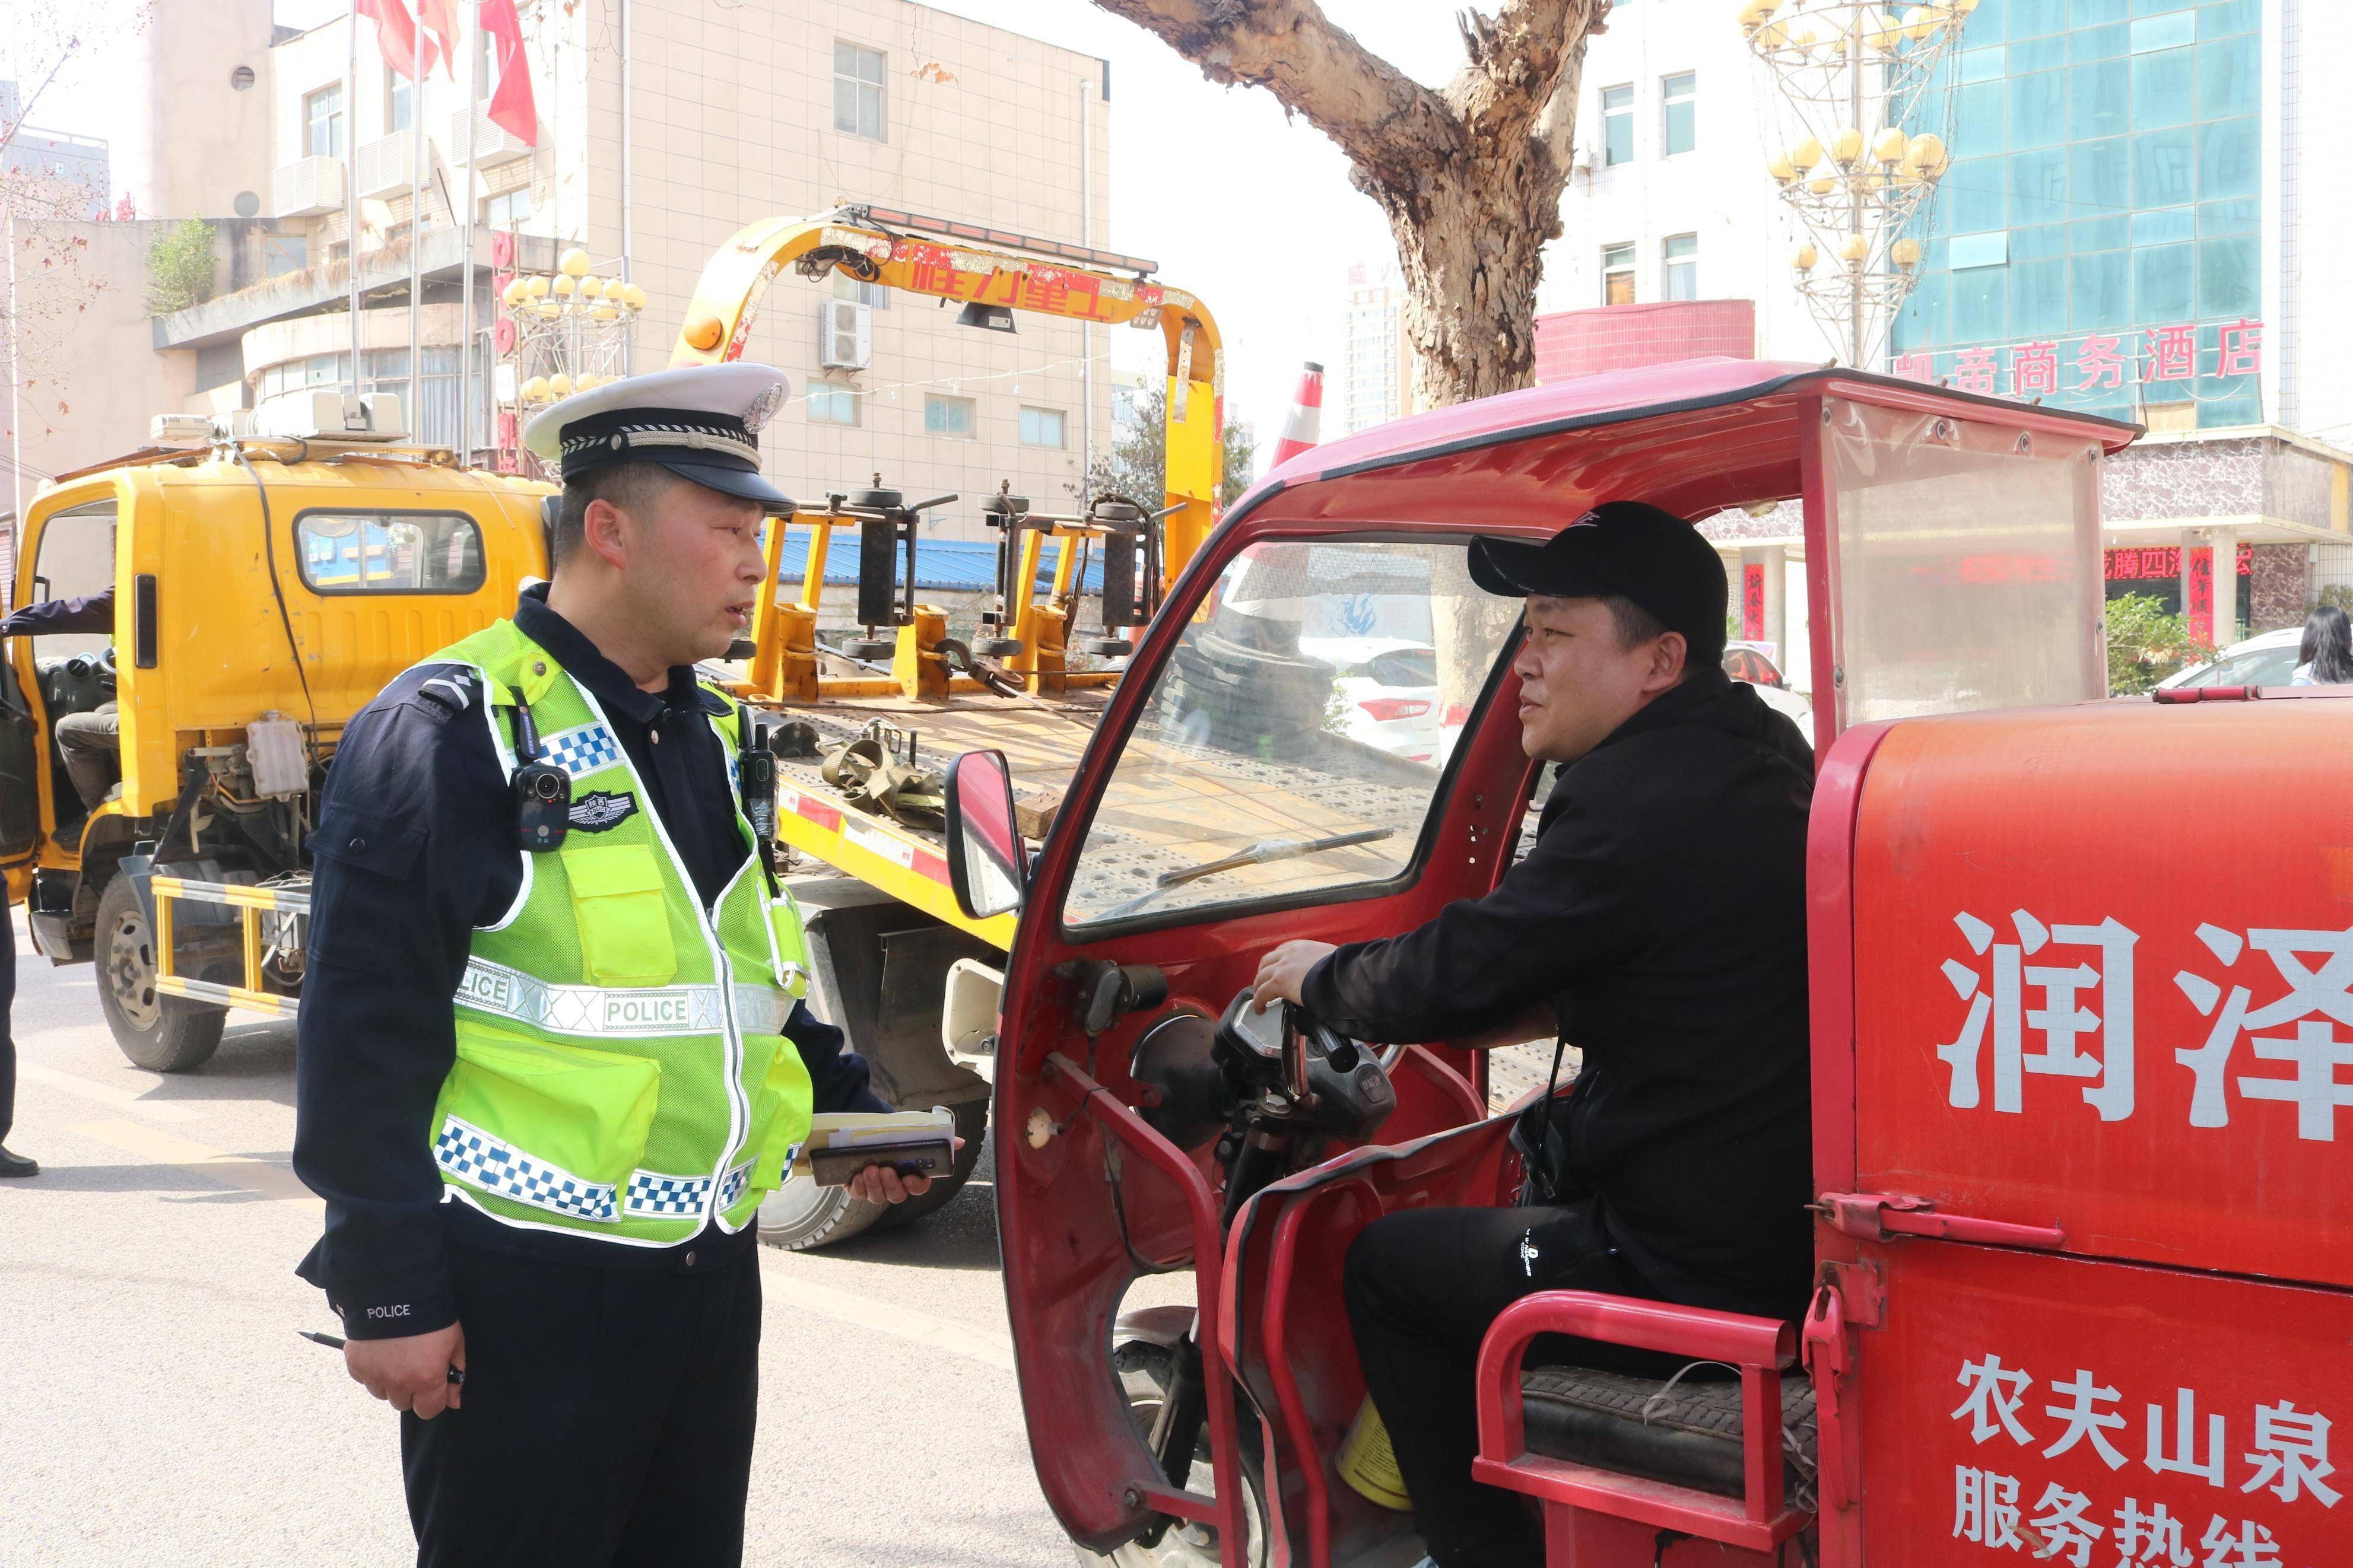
x=1693 y=437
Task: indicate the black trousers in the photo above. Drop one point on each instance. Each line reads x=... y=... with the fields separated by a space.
x=1422 y=1288
x=607 y=1418
x=7 y=1024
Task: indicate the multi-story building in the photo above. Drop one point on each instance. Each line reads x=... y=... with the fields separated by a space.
x=76 y=167
x=1667 y=198
x=733 y=114
x=1376 y=363
x=2131 y=223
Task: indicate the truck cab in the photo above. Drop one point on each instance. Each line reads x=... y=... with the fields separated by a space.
x=265 y=588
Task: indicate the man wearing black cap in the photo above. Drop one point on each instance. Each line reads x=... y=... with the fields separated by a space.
x=1657 y=923
x=542 y=1088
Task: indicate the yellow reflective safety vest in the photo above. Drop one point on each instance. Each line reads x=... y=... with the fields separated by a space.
x=622 y=1070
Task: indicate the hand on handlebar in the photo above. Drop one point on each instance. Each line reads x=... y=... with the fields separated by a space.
x=1283 y=972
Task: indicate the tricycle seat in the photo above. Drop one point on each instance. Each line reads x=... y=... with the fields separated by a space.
x=1684 y=1432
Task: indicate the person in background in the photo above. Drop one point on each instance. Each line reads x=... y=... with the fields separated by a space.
x=10 y=1164
x=2324 y=658
x=91 y=743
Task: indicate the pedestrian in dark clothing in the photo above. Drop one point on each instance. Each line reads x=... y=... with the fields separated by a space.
x=94 y=613
x=89 y=743
x=1658 y=924
x=10 y=1164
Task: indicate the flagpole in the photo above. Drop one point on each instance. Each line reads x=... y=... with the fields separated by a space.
x=471 y=30
x=629 y=225
x=415 y=223
x=352 y=187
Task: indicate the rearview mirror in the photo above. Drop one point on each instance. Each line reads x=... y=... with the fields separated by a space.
x=989 y=864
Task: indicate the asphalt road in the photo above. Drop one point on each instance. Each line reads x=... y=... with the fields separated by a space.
x=156 y=1408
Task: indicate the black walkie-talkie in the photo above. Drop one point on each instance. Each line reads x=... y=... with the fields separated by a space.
x=543 y=792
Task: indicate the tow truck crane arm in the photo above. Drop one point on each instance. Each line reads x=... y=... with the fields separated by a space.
x=983 y=266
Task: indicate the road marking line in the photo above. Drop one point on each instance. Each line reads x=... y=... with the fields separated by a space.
x=901 y=1322
x=257 y=1176
x=107 y=1094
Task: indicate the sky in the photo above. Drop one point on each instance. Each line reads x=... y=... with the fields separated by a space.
x=1247 y=210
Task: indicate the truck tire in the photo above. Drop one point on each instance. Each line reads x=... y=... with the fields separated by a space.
x=801 y=1216
x=971 y=1125
x=162 y=1033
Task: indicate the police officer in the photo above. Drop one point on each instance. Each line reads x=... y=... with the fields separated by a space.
x=552 y=1051
x=1658 y=922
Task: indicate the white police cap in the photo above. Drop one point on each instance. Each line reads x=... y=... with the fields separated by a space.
x=702 y=422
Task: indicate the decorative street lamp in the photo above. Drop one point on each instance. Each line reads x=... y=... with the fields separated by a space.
x=1856 y=137
x=572 y=328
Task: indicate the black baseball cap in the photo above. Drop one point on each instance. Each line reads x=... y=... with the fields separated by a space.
x=1627 y=549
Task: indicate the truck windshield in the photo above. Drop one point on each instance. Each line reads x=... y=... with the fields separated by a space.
x=1279 y=737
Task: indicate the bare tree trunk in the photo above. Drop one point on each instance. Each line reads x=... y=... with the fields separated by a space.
x=1470 y=179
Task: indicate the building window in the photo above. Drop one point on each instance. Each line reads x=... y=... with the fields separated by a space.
x=283 y=253
x=873 y=296
x=1616 y=126
x=948 y=416
x=487 y=47
x=389 y=553
x=857 y=91
x=1618 y=275
x=833 y=405
x=1041 y=428
x=508 y=209
x=322 y=123
x=1682 y=258
x=1680 y=98
x=395 y=100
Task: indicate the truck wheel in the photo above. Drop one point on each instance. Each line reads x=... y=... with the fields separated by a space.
x=971 y=1125
x=162 y=1033
x=801 y=1216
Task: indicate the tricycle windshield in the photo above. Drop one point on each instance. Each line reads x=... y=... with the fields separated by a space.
x=1295 y=740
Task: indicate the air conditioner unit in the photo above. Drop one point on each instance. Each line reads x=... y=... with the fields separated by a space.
x=845 y=334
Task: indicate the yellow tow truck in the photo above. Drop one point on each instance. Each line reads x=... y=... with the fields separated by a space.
x=265 y=587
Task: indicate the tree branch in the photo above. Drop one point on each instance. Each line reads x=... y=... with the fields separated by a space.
x=1390 y=126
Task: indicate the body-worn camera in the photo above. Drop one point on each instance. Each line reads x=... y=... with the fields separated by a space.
x=543 y=792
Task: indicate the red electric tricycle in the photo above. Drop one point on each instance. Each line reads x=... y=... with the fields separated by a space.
x=2066 y=1308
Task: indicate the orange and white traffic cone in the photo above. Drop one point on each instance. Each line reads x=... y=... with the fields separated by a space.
x=1304 y=426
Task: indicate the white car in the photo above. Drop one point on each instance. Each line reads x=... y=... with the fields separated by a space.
x=1386 y=690
x=2267 y=660
x=1748 y=661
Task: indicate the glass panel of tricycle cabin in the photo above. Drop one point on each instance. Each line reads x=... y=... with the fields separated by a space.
x=75 y=557
x=1277 y=754
x=1967 y=565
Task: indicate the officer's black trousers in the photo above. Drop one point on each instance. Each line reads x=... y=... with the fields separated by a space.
x=607 y=1418
x=1422 y=1288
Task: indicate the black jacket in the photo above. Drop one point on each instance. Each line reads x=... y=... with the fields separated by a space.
x=412 y=852
x=1661 y=914
x=90 y=613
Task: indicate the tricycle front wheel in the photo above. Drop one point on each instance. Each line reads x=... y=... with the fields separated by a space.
x=1144 y=1371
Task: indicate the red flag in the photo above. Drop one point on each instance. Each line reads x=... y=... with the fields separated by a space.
x=442 y=23
x=512 y=106
x=396 y=33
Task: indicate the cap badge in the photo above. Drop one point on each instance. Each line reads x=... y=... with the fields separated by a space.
x=763 y=406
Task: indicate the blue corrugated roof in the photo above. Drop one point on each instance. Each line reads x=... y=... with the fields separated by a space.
x=954 y=565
